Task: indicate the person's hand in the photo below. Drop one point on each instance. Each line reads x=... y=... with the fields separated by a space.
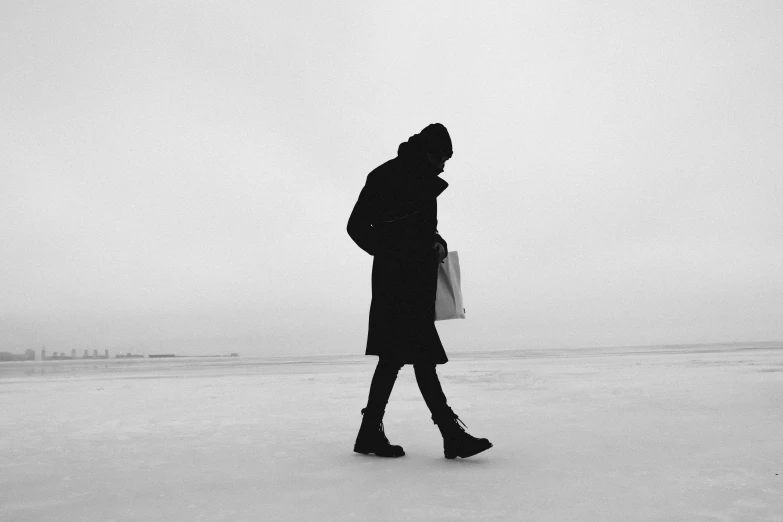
x=441 y=251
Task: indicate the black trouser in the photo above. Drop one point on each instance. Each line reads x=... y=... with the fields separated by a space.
x=426 y=377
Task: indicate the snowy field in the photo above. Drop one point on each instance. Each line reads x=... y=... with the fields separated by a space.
x=662 y=433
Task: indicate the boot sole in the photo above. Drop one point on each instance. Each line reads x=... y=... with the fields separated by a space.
x=365 y=451
x=466 y=455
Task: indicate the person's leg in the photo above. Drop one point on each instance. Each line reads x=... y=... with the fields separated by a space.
x=382 y=383
x=372 y=437
x=431 y=390
x=456 y=441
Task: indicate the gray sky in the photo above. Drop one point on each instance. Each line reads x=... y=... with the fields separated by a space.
x=177 y=176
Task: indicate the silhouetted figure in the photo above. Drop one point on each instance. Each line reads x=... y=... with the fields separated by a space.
x=395 y=220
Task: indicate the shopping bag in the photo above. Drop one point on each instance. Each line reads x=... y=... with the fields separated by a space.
x=448 y=297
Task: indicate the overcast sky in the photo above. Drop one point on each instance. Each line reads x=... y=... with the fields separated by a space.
x=177 y=176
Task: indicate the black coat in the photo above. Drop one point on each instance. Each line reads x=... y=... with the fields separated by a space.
x=395 y=220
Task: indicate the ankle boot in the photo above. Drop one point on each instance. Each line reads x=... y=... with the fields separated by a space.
x=456 y=441
x=372 y=438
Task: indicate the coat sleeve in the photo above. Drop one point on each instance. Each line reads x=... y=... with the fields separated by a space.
x=442 y=241
x=360 y=223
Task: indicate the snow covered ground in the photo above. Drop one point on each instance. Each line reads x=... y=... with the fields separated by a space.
x=667 y=433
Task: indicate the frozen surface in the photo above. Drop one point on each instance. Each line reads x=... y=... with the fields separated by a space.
x=679 y=433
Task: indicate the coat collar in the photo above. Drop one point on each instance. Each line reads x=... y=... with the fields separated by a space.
x=426 y=183
x=439 y=185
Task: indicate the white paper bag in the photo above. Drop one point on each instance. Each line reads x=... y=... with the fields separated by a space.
x=448 y=298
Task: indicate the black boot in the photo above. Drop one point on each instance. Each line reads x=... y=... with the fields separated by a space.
x=372 y=438
x=456 y=441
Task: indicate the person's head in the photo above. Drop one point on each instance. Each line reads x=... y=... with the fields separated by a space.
x=437 y=160
x=437 y=145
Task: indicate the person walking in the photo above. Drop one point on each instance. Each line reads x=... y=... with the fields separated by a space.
x=395 y=220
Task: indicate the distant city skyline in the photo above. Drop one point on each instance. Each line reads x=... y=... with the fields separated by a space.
x=30 y=355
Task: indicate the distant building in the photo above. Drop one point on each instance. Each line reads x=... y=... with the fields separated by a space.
x=95 y=354
x=129 y=356
x=43 y=353
x=73 y=353
x=8 y=356
x=29 y=354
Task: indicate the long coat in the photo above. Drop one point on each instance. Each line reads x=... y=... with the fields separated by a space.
x=395 y=220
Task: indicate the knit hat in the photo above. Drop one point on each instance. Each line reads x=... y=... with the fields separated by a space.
x=436 y=139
